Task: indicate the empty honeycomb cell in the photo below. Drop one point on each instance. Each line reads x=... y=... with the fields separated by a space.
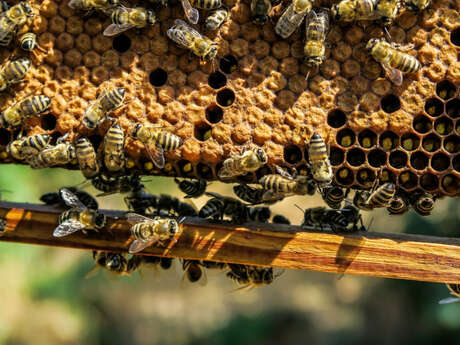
x=292 y=154
x=203 y=131
x=456 y=163
x=398 y=159
x=390 y=103
x=429 y=182
x=4 y=137
x=336 y=118
x=48 y=122
x=336 y=156
x=410 y=141
x=204 y=171
x=377 y=158
x=344 y=176
x=422 y=124
x=366 y=177
x=346 y=137
x=356 y=157
x=431 y=143
x=367 y=139
x=388 y=140
x=452 y=144
x=185 y=168
x=455 y=37
x=217 y=80
x=121 y=43
x=440 y=161
x=453 y=108
x=225 y=97
x=451 y=184
x=408 y=180
x=228 y=64
x=443 y=125
x=214 y=113
x=434 y=107
x=445 y=89
x=158 y=77
x=418 y=160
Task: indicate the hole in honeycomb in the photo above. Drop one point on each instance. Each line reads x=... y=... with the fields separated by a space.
x=422 y=124
x=377 y=158
x=366 y=177
x=225 y=97
x=204 y=171
x=445 y=89
x=48 y=122
x=429 y=182
x=303 y=170
x=455 y=36
x=292 y=154
x=217 y=80
x=346 y=137
x=54 y=137
x=450 y=184
x=434 y=107
x=121 y=43
x=388 y=140
x=96 y=140
x=443 y=125
x=336 y=156
x=367 y=139
x=185 y=168
x=228 y=64
x=431 y=143
x=453 y=108
x=344 y=176
x=440 y=162
x=410 y=142
x=203 y=131
x=214 y=113
x=265 y=170
x=390 y=103
x=356 y=157
x=456 y=163
x=158 y=77
x=418 y=160
x=398 y=159
x=336 y=118
x=452 y=144
x=4 y=137
x=386 y=176
x=408 y=180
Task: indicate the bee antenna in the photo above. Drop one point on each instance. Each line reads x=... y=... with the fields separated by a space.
x=302 y=210
x=370 y=223
x=387 y=33
x=306 y=77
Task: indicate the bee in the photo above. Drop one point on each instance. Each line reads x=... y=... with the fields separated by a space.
x=193 y=188
x=88 y=5
x=105 y=103
x=140 y=200
x=114 y=141
x=13 y=72
x=291 y=19
x=377 y=197
x=248 y=161
x=190 y=8
x=219 y=206
x=213 y=264
x=353 y=216
x=214 y=208
x=114 y=184
x=317 y=26
x=454 y=290
x=259 y=214
x=28 y=42
x=215 y=19
x=24 y=148
x=250 y=276
x=59 y=154
x=183 y=34
x=423 y=204
x=12 y=18
x=156 y=142
x=86 y=157
x=54 y=198
x=319 y=161
x=126 y=18
x=333 y=196
x=114 y=262
x=148 y=231
x=194 y=272
x=260 y=9
x=320 y=216
x=399 y=205
x=14 y=115
x=79 y=217
x=351 y=10
x=280 y=219
x=417 y=5
x=253 y=195
x=392 y=59
x=387 y=10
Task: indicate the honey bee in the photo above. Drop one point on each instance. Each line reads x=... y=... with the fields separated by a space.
x=24 y=148
x=28 y=42
x=253 y=195
x=259 y=214
x=114 y=141
x=12 y=18
x=183 y=34
x=59 y=154
x=377 y=197
x=148 y=231
x=14 y=115
x=193 y=188
x=127 y=18
x=351 y=10
x=250 y=276
x=319 y=161
x=260 y=9
x=213 y=208
x=55 y=198
x=417 y=5
x=105 y=103
x=392 y=59
x=194 y=272
x=156 y=142
x=114 y=262
x=114 y=184
x=213 y=265
x=190 y=8
x=13 y=72
x=317 y=26
x=248 y=161
x=353 y=216
x=88 y=5
x=454 y=290
x=333 y=196
x=140 y=200
x=291 y=19
x=399 y=205
x=219 y=206
x=387 y=10
x=320 y=216
x=280 y=219
x=423 y=204
x=215 y=19
x=79 y=217
x=86 y=157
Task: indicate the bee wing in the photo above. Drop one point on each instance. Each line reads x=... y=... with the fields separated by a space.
x=115 y=29
x=135 y=218
x=138 y=245
x=225 y=173
x=449 y=300
x=393 y=74
x=190 y=12
x=155 y=153
x=283 y=172
x=68 y=227
x=71 y=199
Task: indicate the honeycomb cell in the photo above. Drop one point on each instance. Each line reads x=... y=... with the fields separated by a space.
x=204 y=171
x=451 y=184
x=429 y=182
x=346 y=137
x=228 y=64
x=185 y=168
x=445 y=90
x=390 y=103
x=48 y=122
x=336 y=118
x=367 y=139
x=453 y=108
x=158 y=77
x=386 y=176
x=443 y=126
x=262 y=171
x=456 y=163
x=418 y=160
x=4 y=137
x=366 y=177
x=356 y=157
x=408 y=180
x=214 y=113
x=225 y=97
x=292 y=154
x=203 y=131
x=377 y=158
x=422 y=124
x=410 y=141
x=455 y=37
x=217 y=80
x=121 y=43
x=388 y=140
x=398 y=159
x=336 y=156
x=440 y=161
x=434 y=107
x=452 y=144
x=344 y=176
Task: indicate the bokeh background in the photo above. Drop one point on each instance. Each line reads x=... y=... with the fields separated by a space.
x=45 y=298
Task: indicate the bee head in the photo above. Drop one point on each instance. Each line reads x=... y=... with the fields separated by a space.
x=261 y=155
x=151 y=17
x=113 y=262
x=99 y=221
x=27 y=9
x=136 y=130
x=259 y=19
x=372 y=42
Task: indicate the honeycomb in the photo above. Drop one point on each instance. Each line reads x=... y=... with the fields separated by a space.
x=256 y=92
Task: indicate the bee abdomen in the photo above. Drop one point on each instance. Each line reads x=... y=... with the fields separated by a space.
x=317 y=150
x=34 y=105
x=37 y=141
x=382 y=197
x=113 y=99
x=206 y=4
x=277 y=184
x=168 y=141
x=28 y=41
x=407 y=63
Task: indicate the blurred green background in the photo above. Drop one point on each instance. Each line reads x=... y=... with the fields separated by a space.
x=47 y=300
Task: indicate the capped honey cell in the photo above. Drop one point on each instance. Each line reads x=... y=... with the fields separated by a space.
x=445 y=90
x=336 y=118
x=434 y=107
x=292 y=154
x=443 y=126
x=410 y=141
x=453 y=108
x=388 y=140
x=367 y=139
x=346 y=137
x=431 y=142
